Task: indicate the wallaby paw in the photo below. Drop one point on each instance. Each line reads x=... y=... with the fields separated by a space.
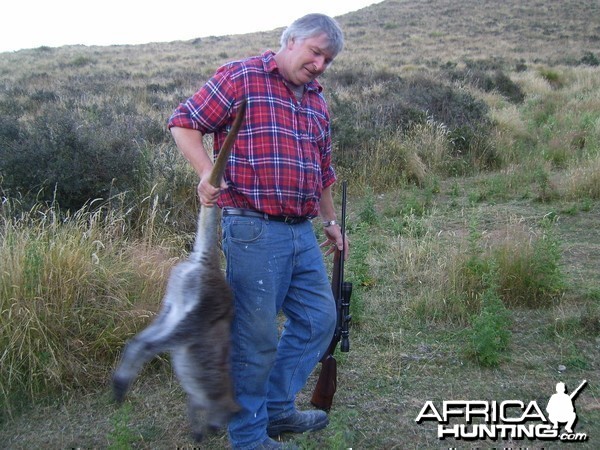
x=198 y=436
x=120 y=388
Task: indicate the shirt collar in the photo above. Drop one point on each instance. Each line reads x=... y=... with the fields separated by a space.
x=270 y=66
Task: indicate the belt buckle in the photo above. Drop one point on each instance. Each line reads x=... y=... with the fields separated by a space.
x=293 y=220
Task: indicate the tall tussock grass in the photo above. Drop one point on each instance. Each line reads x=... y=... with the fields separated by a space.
x=73 y=288
x=524 y=264
x=583 y=181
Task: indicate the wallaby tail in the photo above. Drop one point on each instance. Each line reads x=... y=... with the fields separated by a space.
x=221 y=161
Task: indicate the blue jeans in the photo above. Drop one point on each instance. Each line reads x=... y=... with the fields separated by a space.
x=271 y=267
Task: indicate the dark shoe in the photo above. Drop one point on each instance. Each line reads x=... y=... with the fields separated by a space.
x=299 y=422
x=270 y=444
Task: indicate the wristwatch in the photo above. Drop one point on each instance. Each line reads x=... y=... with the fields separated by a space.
x=328 y=223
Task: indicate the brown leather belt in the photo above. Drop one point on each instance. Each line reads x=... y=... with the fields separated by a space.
x=291 y=220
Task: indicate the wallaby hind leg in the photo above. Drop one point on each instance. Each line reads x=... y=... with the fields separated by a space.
x=188 y=369
x=137 y=353
x=199 y=408
x=220 y=411
x=216 y=380
x=193 y=412
x=156 y=338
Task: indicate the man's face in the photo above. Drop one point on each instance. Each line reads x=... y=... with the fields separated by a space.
x=307 y=59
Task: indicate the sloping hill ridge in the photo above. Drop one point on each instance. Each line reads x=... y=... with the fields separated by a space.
x=399 y=32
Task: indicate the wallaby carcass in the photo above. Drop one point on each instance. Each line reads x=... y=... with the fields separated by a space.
x=194 y=321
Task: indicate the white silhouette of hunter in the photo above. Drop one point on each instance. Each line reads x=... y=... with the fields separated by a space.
x=560 y=407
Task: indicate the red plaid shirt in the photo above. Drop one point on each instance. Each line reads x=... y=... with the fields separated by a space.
x=281 y=160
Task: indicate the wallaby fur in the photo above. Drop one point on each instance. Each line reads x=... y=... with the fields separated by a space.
x=194 y=322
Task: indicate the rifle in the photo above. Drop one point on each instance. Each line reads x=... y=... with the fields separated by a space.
x=326 y=386
x=573 y=394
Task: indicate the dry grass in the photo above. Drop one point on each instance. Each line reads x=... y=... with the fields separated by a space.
x=73 y=290
x=583 y=181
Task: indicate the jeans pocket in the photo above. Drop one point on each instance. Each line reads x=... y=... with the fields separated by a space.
x=243 y=229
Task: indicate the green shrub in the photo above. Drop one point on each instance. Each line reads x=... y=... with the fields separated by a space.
x=73 y=155
x=381 y=113
x=590 y=59
x=368 y=214
x=552 y=76
x=446 y=104
x=394 y=106
x=489 y=336
x=489 y=81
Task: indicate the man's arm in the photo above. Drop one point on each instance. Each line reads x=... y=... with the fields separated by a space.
x=189 y=142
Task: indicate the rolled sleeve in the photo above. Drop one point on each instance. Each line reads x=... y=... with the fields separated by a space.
x=209 y=108
x=329 y=177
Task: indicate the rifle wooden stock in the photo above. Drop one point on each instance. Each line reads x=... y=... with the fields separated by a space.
x=322 y=397
x=326 y=386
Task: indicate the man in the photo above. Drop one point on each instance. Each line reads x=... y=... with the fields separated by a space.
x=560 y=408
x=279 y=177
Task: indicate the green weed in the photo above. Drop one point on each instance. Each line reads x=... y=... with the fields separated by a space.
x=552 y=76
x=489 y=336
x=121 y=437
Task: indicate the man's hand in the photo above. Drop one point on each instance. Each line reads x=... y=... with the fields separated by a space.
x=207 y=193
x=334 y=241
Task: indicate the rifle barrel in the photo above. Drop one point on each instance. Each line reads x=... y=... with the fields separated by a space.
x=576 y=391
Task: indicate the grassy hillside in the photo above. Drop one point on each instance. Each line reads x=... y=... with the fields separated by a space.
x=434 y=32
x=470 y=135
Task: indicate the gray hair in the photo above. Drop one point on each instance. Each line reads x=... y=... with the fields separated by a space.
x=313 y=25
